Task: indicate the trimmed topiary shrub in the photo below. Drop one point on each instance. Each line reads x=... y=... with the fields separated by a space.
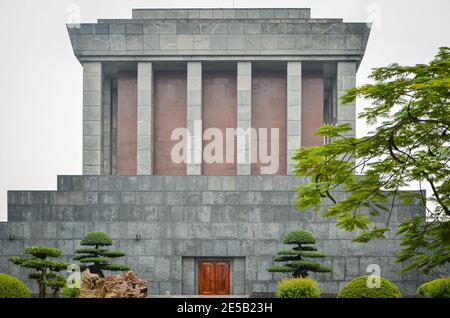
x=358 y=288
x=11 y=287
x=294 y=258
x=96 y=257
x=44 y=270
x=297 y=288
x=437 y=288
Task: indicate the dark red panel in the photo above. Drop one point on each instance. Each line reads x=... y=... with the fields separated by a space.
x=127 y=123
x=312 y=107
x=219 y=111
x=269 y=103
x=222 y=278
x=170 y=93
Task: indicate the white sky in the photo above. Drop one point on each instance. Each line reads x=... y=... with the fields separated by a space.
x=41 y=80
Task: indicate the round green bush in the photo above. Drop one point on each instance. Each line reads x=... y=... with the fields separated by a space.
x=438 y=288
x=357 y=288
x=11 y=287
x=73 y=292
x=297 y=288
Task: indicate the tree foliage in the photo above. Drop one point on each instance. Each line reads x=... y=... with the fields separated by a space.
x=96 y=257
x=45 y=270
x=293 y=259
x=410 y=113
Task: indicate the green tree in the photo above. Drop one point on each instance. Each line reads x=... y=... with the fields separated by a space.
x=294 y=258
x=409 y=143
x=45 y=270
x=96 y=257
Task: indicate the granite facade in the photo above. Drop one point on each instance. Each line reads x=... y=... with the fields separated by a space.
x=182 y=218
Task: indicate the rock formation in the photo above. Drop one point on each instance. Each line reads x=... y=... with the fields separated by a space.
x=127 y=285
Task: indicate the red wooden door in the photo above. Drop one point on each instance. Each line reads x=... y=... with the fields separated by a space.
x=214 y=278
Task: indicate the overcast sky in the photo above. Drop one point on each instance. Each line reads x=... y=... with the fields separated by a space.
x=41 y=80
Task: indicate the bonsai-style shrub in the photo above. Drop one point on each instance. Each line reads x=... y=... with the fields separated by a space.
x=358 y=288
x=72 y=292
x=297 y=288
x=96 y=257
x=294 y=258
x=36 y=258
x=438 y=288
x=11 y=287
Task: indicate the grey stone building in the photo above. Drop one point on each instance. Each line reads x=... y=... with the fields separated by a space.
x=237 y=68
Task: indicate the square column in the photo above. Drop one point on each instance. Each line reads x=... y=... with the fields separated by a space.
x=346 y=78
x=194 y=117
x=92 y=118
x=144 y=118
x=294 y=112
x=244 y=114
x=106 y=127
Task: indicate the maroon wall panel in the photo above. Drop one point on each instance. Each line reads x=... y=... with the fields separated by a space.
x=169 y=101
x=127 y=123
x=312 y=107
x=219 y=111
x=269 y=100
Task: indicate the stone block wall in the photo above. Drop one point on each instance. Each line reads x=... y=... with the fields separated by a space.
x=241 y=218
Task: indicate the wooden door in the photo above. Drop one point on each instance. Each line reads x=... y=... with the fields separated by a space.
x=214 y=278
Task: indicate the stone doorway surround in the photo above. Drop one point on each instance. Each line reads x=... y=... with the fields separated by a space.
x=190 y=274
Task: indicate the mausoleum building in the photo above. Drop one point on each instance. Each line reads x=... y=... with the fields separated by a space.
x=166 y=87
